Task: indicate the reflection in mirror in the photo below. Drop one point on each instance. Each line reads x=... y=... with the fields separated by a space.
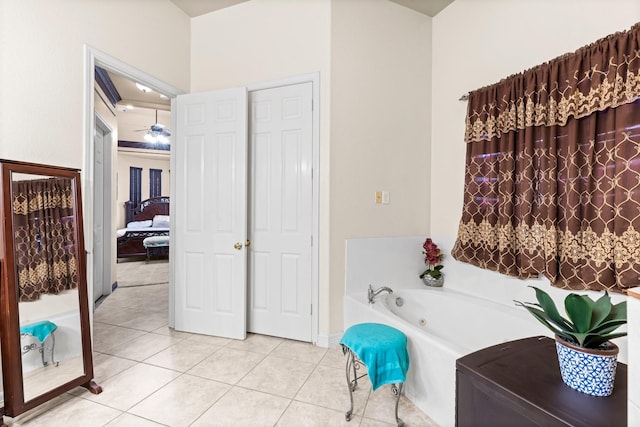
x=44 y=217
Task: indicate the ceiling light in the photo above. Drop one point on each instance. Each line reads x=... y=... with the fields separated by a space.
x=143 y=88
x=163 y=96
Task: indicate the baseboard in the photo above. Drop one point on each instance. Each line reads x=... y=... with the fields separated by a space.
x=328 y=341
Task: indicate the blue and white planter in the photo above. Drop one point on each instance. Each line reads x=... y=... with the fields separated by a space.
x=590 y=371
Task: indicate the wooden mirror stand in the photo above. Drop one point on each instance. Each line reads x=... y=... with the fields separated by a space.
x=45 y=335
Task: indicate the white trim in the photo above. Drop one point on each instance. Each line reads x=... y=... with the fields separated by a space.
x=329 y=341
x=314 y=79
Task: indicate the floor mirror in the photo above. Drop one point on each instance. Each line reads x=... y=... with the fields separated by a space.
x=45 y=338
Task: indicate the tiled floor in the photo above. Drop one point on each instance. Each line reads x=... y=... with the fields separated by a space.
x=155 y=376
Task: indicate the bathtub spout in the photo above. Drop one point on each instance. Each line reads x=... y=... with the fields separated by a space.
x=372 y=293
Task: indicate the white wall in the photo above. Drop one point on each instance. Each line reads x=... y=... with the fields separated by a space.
x=264 y=40
x=476 y=44
x=41 y=66
x=374 y=118
x=380 y=127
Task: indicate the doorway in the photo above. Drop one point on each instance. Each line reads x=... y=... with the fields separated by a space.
x=93 y=58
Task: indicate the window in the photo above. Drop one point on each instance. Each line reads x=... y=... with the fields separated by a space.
x=155 y=182
x=552 y=177
x=135 y=185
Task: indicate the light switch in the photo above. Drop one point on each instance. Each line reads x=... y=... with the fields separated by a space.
x=385 y=197
x=378 y=197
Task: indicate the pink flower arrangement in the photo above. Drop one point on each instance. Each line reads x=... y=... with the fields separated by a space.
x=432 y=257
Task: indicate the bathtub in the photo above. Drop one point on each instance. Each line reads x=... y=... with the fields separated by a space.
x=441 y=326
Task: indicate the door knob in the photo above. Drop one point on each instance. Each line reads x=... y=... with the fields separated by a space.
x=247 y=243
x=238 y=246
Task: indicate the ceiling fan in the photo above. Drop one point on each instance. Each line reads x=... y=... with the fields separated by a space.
x=156 y=132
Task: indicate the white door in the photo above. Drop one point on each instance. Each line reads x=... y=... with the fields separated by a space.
x=98 y=214
x=280 y=212
x=210 y=213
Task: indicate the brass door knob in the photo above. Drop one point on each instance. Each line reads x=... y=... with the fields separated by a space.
x=238 y=246
x=247 y=243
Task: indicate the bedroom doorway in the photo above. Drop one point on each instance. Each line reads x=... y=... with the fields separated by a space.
x=91 y=189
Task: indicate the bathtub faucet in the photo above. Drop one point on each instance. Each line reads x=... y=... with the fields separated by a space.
x=373 y=293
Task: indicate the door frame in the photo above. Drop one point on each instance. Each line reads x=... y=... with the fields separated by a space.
x=107 y=236
x=93 y=57
x=314 y=79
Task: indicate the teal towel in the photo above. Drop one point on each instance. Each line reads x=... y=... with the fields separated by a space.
x=382 y=349
x=40 y=330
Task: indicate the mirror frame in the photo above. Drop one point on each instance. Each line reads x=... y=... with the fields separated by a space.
x=14 y=403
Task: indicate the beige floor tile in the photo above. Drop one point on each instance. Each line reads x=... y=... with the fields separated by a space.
x=166 y=330
x=282 y=377
x=129 y=387
x=257 y=343
x=183 y=355
x=24 y=418
x=209 y=339
x=128 y=420
x=298 y=350
x=242 y=407
x=146 y=321
x=381 y=406
x=71 y=413
x=136 y=273
x=105 y=366
x=327 y=387
x=106 y=336
x=143 y=347
x=368 y=422
x=227 y=365
x=182 y=401
x=114 y=315
x=334 y=358
x=304 y=414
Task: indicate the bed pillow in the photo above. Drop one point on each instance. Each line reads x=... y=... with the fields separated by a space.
x=139 y=224
x=161 y=221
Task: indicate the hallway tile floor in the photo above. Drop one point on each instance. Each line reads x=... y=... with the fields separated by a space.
x=155 y=376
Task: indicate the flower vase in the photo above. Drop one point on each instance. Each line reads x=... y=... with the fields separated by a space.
x=432 y=281
x=590 y=371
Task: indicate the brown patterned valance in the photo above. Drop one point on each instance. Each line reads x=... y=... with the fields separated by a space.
x=44 y=237
x=601 y=75
x=552 y=174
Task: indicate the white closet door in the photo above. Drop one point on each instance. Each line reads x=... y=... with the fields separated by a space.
x=281 y=202
x=210 y=213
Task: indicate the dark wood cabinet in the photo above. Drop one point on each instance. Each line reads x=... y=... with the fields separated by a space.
x=44 y=313
x=518 y=383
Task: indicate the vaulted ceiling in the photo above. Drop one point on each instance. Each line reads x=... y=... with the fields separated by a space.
x=200 y=7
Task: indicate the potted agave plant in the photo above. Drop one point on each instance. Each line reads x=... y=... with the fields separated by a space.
x=587 y=357
x=432 y=276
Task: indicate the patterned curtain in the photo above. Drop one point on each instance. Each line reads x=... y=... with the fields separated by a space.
x=552 y=181
x=44 y=237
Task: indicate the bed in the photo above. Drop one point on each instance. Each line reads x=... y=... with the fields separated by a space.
x=147 y=219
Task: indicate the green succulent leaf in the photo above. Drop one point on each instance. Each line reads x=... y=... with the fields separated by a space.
x=618 y=312
x=546 y=303
x=591 y=323
x=593 y=341
x=579 y=309
x=542 y=317
x=601 y=310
